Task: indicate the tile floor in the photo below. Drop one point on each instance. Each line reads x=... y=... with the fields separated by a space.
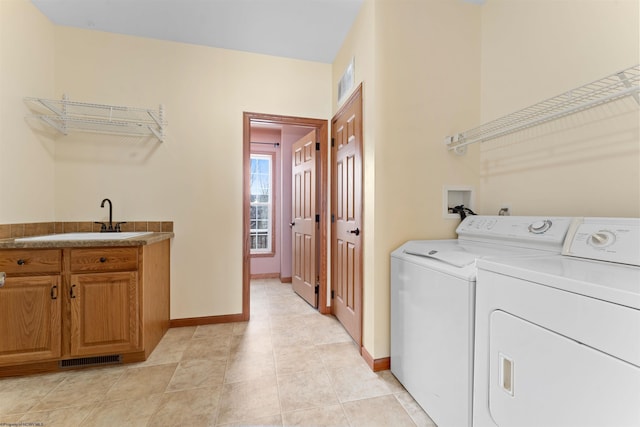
x=288 y=366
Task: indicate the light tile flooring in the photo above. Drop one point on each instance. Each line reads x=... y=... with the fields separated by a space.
x=288 y=366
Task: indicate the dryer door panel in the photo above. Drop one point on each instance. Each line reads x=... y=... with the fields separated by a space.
x=540 y=378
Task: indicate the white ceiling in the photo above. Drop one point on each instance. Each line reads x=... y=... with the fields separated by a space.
x=310 y=30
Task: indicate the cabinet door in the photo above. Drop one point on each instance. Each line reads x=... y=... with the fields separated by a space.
x=104 y=313
x=30 y=312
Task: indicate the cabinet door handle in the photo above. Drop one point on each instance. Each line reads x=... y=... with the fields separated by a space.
x=103 y=259
x=3 y=276
x=21 y=262
x=54 y=292
x=71 y=293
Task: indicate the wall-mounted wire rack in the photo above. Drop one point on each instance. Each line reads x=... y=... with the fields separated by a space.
x=99 y=118
x=615 y=86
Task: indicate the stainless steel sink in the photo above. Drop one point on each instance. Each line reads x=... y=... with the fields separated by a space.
x=83 y=236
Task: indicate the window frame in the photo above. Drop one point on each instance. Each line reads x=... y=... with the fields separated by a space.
x=270 y=252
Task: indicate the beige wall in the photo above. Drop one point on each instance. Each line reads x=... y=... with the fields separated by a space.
x=435 y=68
x=421 y=82
x=587 y=164
x=429 y=85
x=194 y=178
x=26 y=156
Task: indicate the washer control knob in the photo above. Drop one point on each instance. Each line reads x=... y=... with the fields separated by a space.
x=540 y=227
x=602 y=239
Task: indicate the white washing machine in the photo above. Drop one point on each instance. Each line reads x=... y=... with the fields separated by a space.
x=432 y=306
x=558 y=337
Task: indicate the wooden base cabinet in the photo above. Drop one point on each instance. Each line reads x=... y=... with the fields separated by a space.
x=103 y=301
x=30 y=327
x=30 y=305
x=104 y=313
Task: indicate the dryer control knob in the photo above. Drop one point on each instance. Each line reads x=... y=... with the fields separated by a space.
x=540 y=227
x=602 y=239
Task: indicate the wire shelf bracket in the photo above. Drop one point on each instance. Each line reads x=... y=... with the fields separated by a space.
x=65 y=115
x=615 y=86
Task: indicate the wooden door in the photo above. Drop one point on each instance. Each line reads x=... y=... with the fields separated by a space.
x=303 y=218
x=346 y=230
x=104 y=313
x=30 y=311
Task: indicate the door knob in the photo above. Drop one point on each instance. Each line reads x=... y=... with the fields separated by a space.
x=291 y=224
x=356 y=231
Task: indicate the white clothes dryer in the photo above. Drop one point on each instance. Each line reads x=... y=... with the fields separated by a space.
x=557 y=339
x=433 y=300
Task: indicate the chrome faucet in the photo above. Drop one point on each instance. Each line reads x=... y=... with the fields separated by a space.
x=110 y=228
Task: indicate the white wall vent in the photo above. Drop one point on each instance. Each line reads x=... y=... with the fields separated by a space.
x=347 y=81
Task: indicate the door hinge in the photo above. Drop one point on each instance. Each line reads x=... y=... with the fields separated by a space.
x=333 y=218
x=317 y=217
x=317 y=289
x=333 y=142
x=332 y=294
x=317 y=146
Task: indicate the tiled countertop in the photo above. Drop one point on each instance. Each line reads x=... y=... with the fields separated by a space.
x=143 y=240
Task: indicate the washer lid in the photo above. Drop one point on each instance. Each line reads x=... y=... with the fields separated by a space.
x=452 y=256
x=458 y=258
x=616 y=283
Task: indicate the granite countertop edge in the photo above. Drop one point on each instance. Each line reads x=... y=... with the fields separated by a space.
x=146 y=239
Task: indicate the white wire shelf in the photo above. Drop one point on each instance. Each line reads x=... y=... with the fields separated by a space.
x=99 y=118
x=615 y=86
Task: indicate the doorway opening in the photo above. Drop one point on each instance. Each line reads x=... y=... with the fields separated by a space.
x=267 y=201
